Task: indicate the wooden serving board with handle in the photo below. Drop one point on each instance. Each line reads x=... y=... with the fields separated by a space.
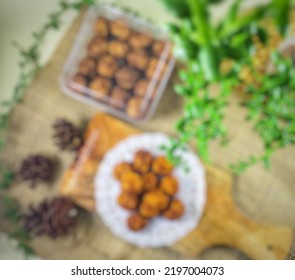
x=221 y=225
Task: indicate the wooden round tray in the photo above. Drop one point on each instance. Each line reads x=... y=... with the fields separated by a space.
x=222 y=223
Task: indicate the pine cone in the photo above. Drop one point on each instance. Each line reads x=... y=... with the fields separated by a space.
x=67 y=136
x=53 y=218
x=37 y=168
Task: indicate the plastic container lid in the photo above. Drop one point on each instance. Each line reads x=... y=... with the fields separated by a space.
x=119 y=63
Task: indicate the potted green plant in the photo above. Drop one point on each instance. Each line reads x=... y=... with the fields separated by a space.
x=228 y=54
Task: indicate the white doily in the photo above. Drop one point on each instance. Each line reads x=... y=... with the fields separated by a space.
x=160 y=231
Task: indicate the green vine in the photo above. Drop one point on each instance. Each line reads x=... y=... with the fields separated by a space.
x=12 y=213
x=29 y=65
x=271 y=108
x=206 y=47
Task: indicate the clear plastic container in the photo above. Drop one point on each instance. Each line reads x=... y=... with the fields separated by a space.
x=119 y=63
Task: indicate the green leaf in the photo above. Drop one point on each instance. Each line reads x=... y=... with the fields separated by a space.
x=6 y=180
x=215 y=1
x=11 y=209
x=54 y=20
x=83 y=3
x=2 y=143
x=209 y=62
x=27 y=249
x=6 y=103
x=20 y=234
x=241 y=22
x=232 y=14
x=64 y=4
x=178 y=8
x=281 y=12
x=23 y=238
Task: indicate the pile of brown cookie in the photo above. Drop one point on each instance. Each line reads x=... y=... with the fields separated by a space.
x=148 y=189
x=122 y=67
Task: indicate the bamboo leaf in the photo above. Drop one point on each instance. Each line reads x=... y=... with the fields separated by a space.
x=178 y=8
x=281 y=11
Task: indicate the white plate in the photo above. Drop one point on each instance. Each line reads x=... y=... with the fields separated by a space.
x=160 y=231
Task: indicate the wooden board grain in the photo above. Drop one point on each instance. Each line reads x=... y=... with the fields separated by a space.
x=222 y=223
